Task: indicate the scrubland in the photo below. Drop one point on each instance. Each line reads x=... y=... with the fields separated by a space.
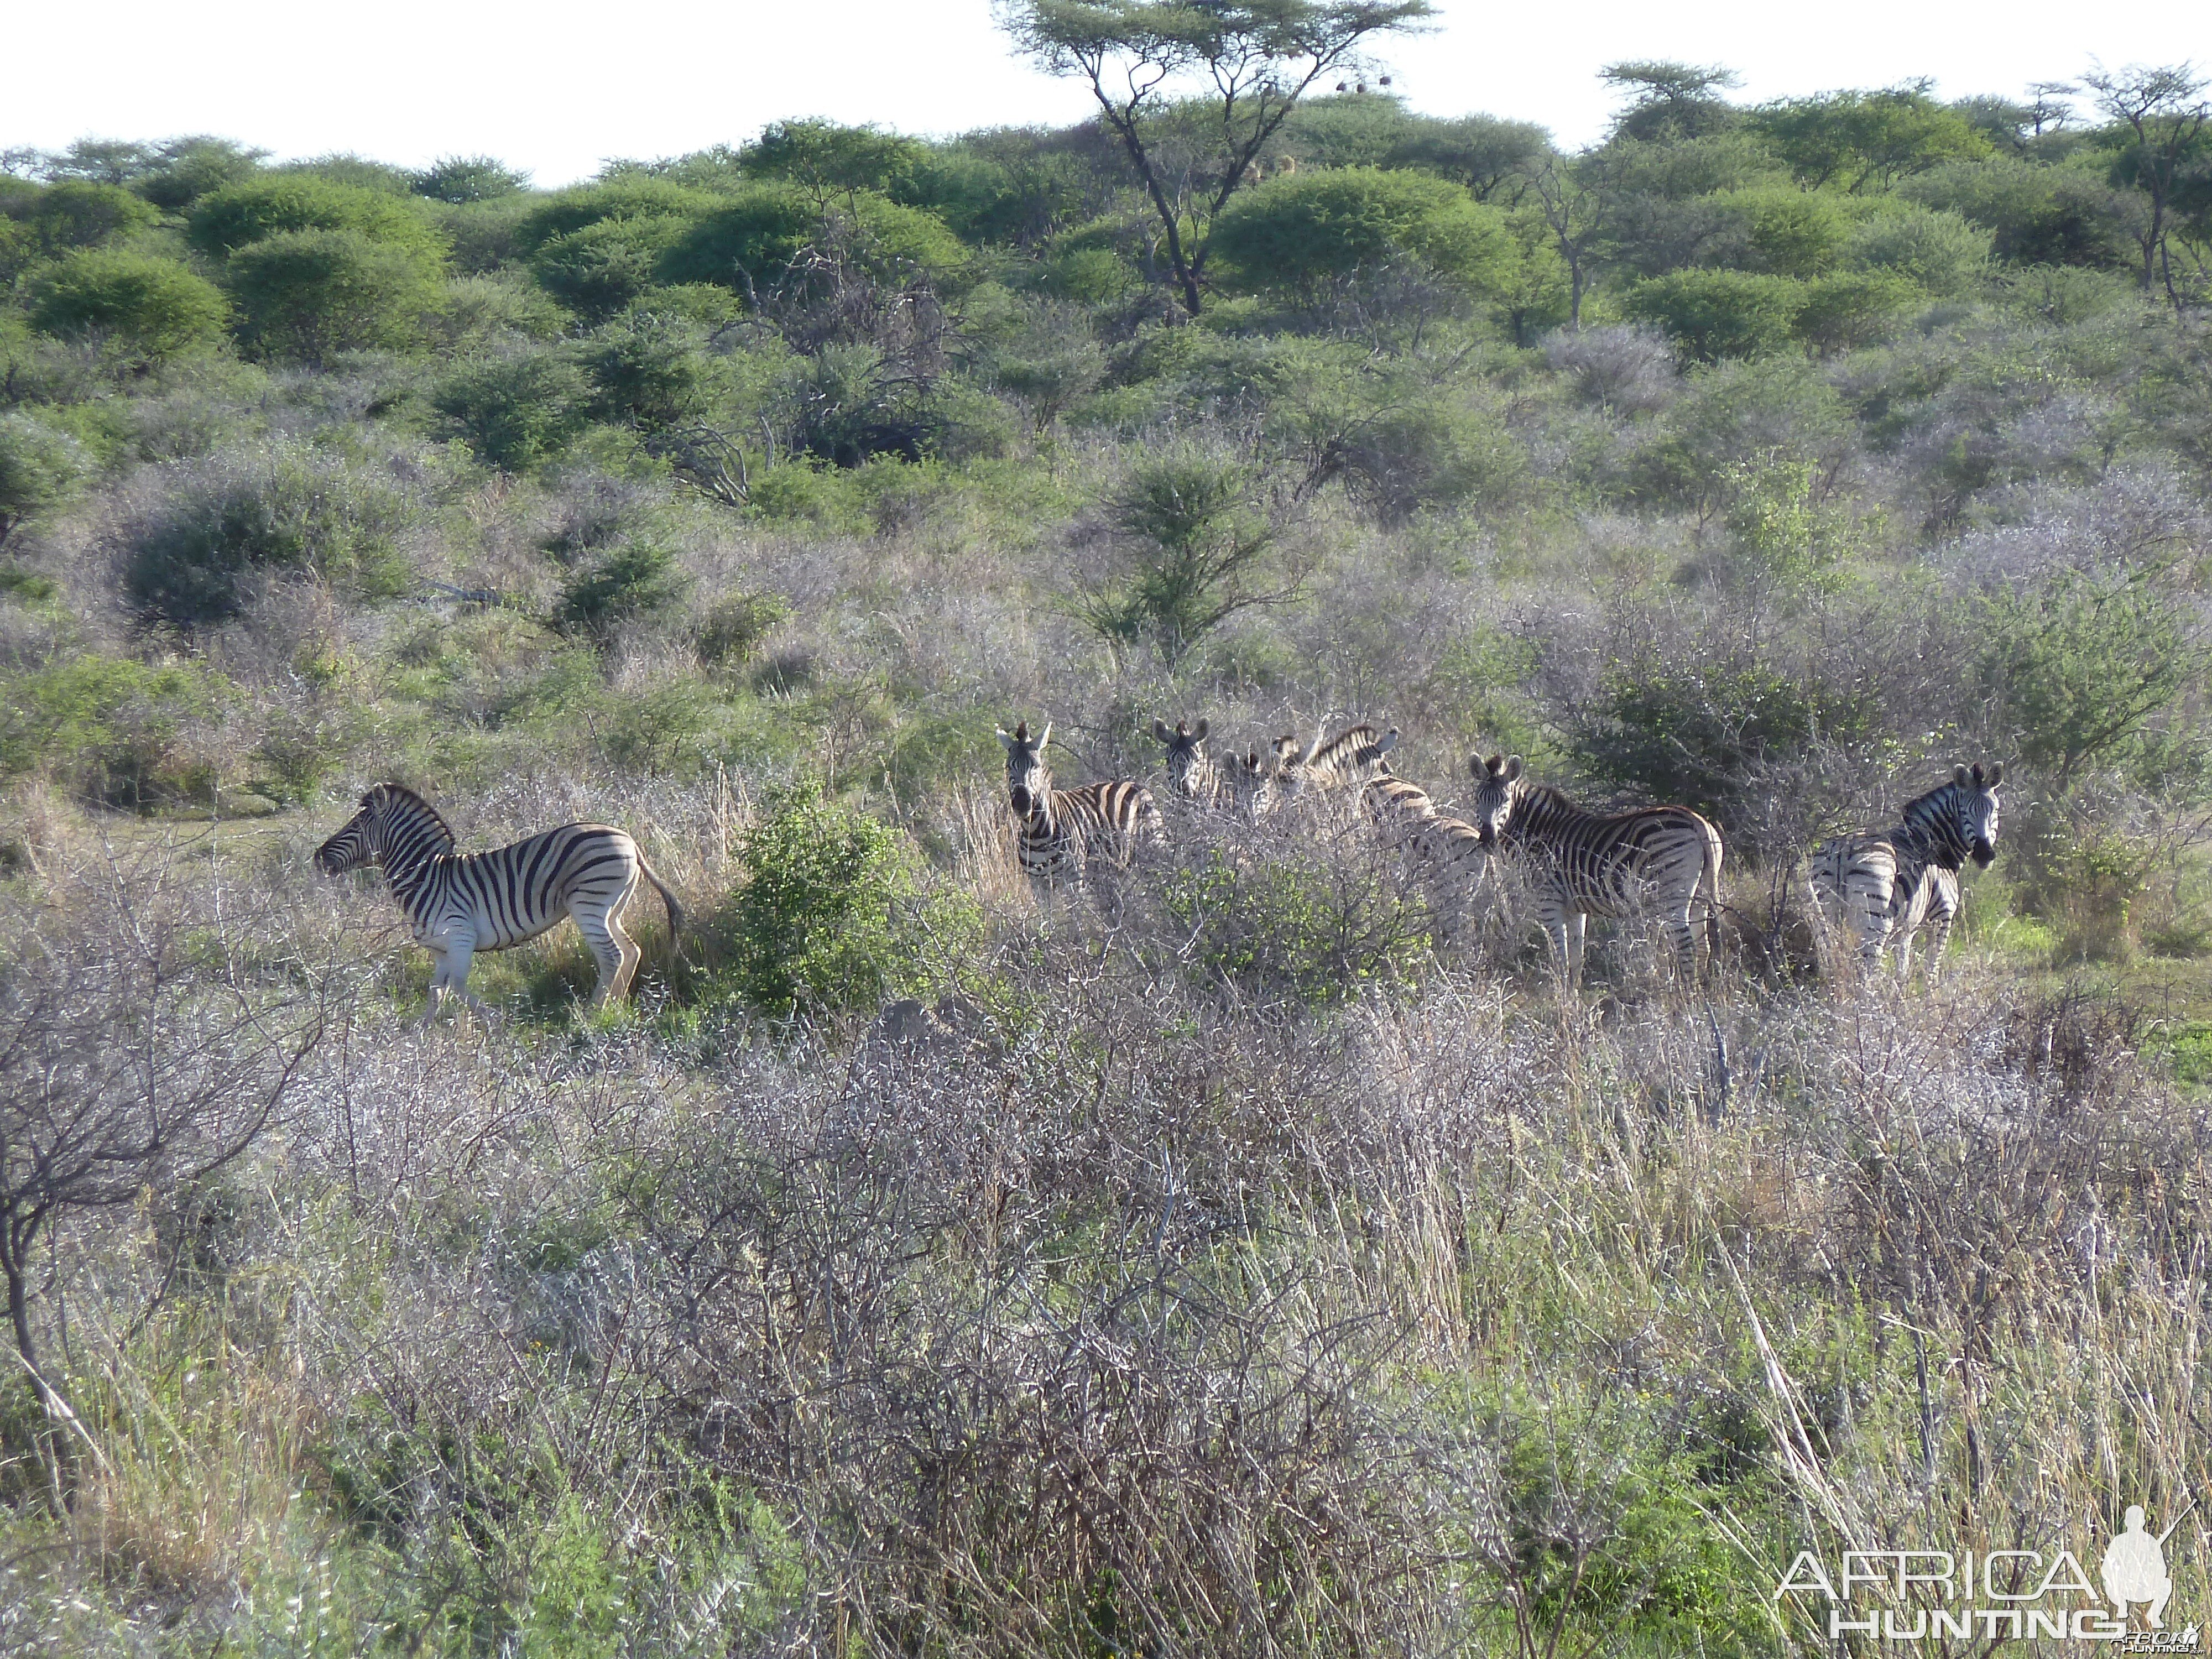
x=1250 y=1253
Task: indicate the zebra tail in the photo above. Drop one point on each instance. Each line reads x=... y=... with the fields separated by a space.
x=1712 y=877
x=675 y=909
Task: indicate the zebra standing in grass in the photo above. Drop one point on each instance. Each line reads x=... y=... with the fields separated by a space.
x=459 y=904
x=1585 y=864
x=1888 y=886
x=1060 y=830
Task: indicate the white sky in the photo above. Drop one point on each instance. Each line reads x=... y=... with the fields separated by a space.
x=556 y=87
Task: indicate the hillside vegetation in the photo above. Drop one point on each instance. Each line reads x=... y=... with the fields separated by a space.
x=1252 y=1252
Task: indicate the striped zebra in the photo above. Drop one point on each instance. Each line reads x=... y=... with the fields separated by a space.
x=1059 y=830
x=1455 y=860
x=1397 y=803
x=1888 y=886
x=1585 y=864
x=1196 y=775
x=459 y=904
x=1351 y=759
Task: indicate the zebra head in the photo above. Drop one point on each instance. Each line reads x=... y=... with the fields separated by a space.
x=393 y=826
x=1187 y=765
x=1027 y=774
x=1496 y=788
x=1975 y=794
x=1252 y=783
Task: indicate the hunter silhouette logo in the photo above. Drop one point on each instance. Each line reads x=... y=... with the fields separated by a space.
x=2135 y=1568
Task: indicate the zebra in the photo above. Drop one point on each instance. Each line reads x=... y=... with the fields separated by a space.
x=1588 y=864
x=1351 y=759
x=1060 y=830
x=1196 y=775
x=1888 y=886
x=459 y=904
x=1396 y=804
x=1254 y=786
x=1452 y=851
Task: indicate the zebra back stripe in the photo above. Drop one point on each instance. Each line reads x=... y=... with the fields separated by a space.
x=1353 y=757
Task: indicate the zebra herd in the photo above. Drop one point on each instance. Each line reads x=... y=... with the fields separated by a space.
x=1878 y=887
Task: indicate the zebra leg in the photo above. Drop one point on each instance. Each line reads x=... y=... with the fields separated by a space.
x=1939 y=932
x=615 y=951
x=1576 y=929
x=460 y=953
x=438 y=970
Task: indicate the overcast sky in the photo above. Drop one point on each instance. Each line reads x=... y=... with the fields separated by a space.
x=556 y=89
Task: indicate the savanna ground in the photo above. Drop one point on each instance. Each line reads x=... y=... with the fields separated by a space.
x=1253 y=1254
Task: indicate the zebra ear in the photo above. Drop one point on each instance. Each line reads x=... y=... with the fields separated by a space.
x=1160 y=730
x=1513 y=769
x=1959 y=774
x=1201 y=731
x=1005 y=738
x=1044 y=741
x=1389 y=742
x=1996 y=776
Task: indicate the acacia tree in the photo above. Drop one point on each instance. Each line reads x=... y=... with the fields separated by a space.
x=1248 y=61
x=2165 y=122
x=1577 y=196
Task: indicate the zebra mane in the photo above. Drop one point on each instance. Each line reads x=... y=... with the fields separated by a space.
x=1923 y=808
x=402 y=792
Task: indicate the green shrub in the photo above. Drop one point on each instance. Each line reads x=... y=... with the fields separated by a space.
x=514 y=411
x=597 y=269
x=751 y=242
x=274 y=203
x=1296 y=234
x=2078 y=667
x=39 y=470
x=629 y=198
x=155 y=308
x=1194 y=537
x=1783 y=537
x=308 y=294
x=284 y=509
x=1297 y=925
x=1849 y=309
x=831 y=915
x=74 y=214
x=462 y=179
x=736 y=627
x=635 y=580
x=1790 y=232
x=104 y=725
x=1694 y=732
x=1939 y=252
x=1721 y=313
x=184 y=170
